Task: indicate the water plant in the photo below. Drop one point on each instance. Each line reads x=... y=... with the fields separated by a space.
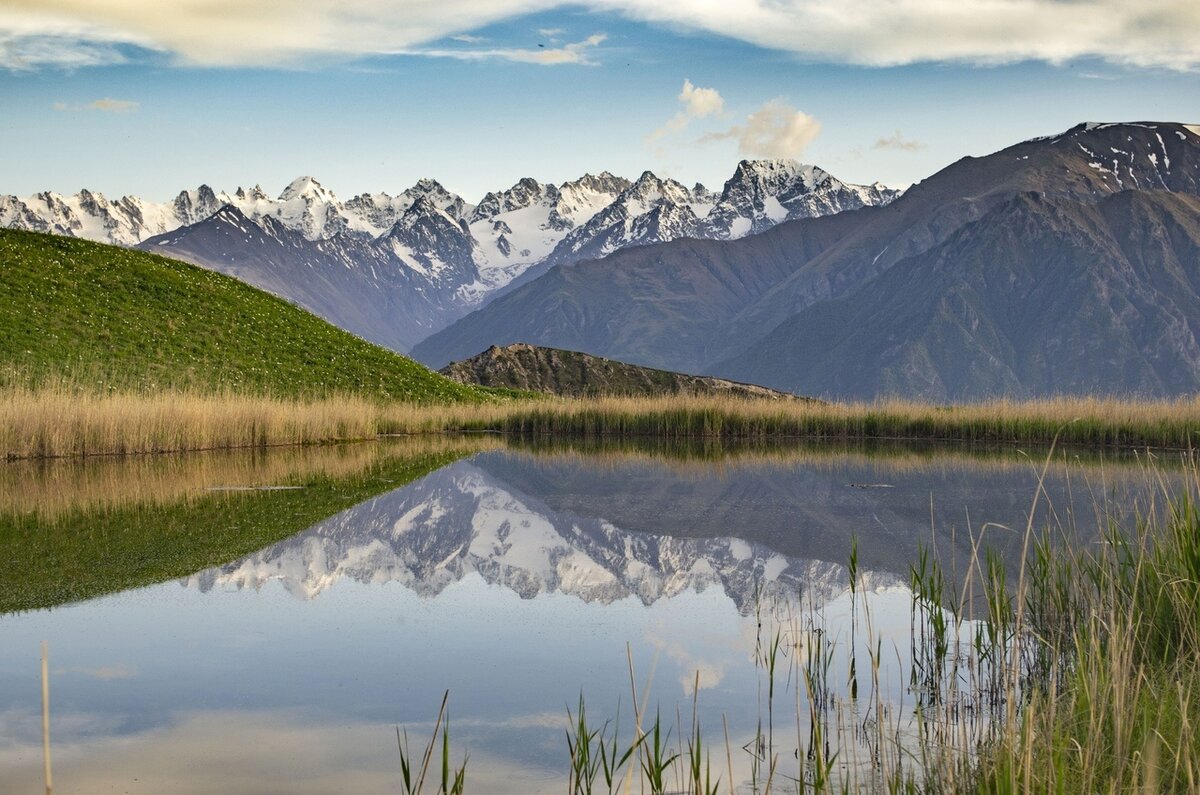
x=413 y=770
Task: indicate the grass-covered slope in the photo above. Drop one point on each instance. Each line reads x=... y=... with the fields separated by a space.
x=122 y=319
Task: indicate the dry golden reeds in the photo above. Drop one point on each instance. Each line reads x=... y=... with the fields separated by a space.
x=62 y=421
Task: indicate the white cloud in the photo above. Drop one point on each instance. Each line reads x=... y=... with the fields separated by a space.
x=776 y=130
x=700 y=102
x=697 y=103
x=113 y=105
x=107 y=105
x=574 y=53
x=25 y=52
x=1157 y=33
x=468 y=39
x=1160 y=33
x=550 y=33
x=899 y=142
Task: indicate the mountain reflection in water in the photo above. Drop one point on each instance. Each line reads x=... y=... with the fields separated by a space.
x=646 y=529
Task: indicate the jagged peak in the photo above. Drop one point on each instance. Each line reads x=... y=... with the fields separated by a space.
x=425 y=186
x=254 y=194
x=422 y=209
x=604 y=182
x=306 y=187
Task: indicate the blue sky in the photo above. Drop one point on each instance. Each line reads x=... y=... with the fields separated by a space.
x=463 y=95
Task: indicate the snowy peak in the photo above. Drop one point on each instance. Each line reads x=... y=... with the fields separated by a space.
x=255 y=194
x=191 y=206
x=605 y=182
x=649 y=191
x=433 y=191
x=762 y=193
x=775 y=176
x=308 y=189
x=430 y=241
x=649 y=210
x=525 y=193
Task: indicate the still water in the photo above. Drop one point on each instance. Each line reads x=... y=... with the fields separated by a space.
x=516 y=579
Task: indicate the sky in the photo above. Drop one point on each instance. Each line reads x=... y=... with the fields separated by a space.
x=148 y=97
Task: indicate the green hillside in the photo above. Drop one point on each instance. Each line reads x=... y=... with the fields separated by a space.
x=115 y=318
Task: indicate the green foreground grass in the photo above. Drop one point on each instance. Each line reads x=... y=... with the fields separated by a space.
x=110 y=319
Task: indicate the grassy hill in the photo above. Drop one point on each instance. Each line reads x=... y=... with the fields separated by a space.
x=114 y=318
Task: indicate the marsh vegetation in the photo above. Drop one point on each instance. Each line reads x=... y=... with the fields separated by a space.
x=68 y=419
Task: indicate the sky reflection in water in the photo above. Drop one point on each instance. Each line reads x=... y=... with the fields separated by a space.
x=513 y=580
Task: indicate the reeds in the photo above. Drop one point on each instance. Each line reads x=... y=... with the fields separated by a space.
x=1077 y=671
x=65 y=421
x=54 y=422
x=1084 y=421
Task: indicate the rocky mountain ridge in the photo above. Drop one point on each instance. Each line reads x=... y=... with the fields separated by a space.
x=574 y=374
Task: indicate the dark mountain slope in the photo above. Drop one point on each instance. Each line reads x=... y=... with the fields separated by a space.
x=660 y=306
x=1087 y=162
x=353 y=282
x=1040 y=296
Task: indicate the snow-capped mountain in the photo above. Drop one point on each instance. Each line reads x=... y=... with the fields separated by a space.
x=463 y=520
x=650 y=210
x=762 y=193
x=463 y=252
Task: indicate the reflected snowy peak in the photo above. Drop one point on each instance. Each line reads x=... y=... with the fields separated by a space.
x=463 y=520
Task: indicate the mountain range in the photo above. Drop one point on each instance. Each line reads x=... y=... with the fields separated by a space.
x=1067 y=264
x=1064 y=264
x=396 y=268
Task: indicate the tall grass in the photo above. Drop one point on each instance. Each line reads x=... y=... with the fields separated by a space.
x=1087 y=421
x=57 y=422
x=65 y=421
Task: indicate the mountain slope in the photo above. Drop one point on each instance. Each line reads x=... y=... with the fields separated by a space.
x=694 y=307
x=350 y=281
x=1040 y=296
x=574 y=374
x=121 y=318
x=666 y=306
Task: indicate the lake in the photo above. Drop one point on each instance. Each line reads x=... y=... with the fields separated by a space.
x=518 y=578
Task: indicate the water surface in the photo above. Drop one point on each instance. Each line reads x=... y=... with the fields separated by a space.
x=517 y=579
